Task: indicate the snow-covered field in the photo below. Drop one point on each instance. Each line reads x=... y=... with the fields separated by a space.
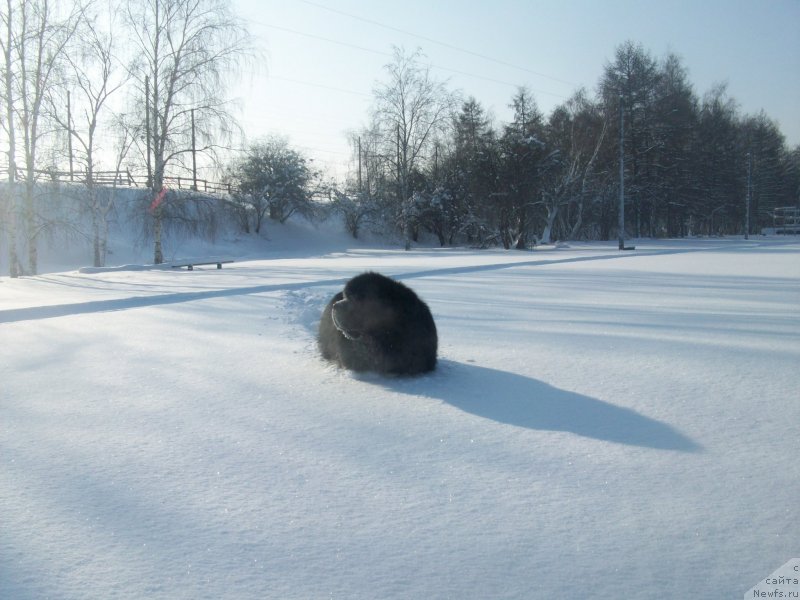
x=602 y=424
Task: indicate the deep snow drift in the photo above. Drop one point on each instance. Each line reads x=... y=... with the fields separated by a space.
x=601 y=424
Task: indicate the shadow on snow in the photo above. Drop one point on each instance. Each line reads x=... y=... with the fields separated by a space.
x=521 y=401
x=48 y=312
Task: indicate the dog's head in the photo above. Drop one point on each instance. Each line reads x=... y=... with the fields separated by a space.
x=367 y=307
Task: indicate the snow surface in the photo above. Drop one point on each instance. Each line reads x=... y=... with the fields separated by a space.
x=602 y=424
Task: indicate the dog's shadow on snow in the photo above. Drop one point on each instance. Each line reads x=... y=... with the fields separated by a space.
x=516 y=400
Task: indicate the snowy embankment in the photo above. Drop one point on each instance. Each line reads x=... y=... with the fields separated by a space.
x=602 y=424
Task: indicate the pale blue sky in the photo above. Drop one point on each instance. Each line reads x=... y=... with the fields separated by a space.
x=322 y=58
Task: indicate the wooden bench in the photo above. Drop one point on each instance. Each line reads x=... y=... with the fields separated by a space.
x=191 y=264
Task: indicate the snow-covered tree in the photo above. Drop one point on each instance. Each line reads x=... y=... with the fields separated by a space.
x=524 y=156
x=272 y=179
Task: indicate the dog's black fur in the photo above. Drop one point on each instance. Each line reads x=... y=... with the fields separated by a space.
x=378 y=324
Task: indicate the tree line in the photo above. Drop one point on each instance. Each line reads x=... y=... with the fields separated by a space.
x=431 y=161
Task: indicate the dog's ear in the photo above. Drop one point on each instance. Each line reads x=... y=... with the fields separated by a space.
x=344 y=314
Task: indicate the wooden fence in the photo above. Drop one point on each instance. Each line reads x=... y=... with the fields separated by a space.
x=124 y=179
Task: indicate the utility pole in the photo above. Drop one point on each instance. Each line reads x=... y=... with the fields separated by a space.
x=147 y=129
x=359 y=164
x=69 y=136
x=405 y=203
x=14 y=266
x=621 y=217
x=397 y=156
x=749 y=180
x=194 y=155
x=366 y=167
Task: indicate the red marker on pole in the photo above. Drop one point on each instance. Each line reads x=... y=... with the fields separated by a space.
x=158 y=199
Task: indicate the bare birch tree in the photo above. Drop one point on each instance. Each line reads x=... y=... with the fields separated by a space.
x=96 y=76
x=39 y=49
x=8 y=42
x=411 y=108
x=187 y=51
x=576 y=132
x=36 y=34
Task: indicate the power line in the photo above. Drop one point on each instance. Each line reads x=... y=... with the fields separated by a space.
x=508 y=83
x=387 y=54
x=301 y=123
x=438 y=42
x=324 y=39
x=320 y=85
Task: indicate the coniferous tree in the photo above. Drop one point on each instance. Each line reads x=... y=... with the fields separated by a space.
x=475 y=172
x=630 y=83
x=524 y=153
x=675 y=123
x=718 y=166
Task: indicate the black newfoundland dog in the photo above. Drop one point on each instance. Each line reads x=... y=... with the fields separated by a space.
x=378 y=324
